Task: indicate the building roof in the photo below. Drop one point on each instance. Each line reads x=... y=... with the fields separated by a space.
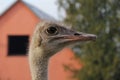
x=6 y=5
x=39 y=13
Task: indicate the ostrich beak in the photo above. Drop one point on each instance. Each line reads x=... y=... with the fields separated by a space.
x=70 y=37
x=80 y=37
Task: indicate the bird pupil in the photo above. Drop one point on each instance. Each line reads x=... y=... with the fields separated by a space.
x=51 y=30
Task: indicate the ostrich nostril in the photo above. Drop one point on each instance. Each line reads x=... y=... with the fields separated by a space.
x=77 y=34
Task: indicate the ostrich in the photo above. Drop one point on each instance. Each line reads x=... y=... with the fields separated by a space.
x=49 y=38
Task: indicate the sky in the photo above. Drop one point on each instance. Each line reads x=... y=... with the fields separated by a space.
x=48 y=6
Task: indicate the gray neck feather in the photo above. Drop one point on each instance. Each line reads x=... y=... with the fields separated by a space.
x=37 y=58
x=38 y=64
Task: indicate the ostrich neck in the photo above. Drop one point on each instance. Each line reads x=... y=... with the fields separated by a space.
x=38 y=65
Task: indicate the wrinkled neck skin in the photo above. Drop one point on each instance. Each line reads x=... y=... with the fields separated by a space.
x=38 y=64
x=37 y=61
x=38 y=58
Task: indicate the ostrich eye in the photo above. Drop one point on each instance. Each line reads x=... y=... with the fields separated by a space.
x=52 y=30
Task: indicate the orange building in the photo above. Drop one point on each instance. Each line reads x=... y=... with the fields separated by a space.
x=17 y=23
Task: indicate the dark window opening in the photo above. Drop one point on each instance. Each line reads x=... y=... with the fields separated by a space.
x=17 y=45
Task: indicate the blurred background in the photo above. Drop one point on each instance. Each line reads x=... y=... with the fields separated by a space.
x=98 y=60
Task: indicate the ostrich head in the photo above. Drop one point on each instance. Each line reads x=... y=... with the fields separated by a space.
x=52 y=37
